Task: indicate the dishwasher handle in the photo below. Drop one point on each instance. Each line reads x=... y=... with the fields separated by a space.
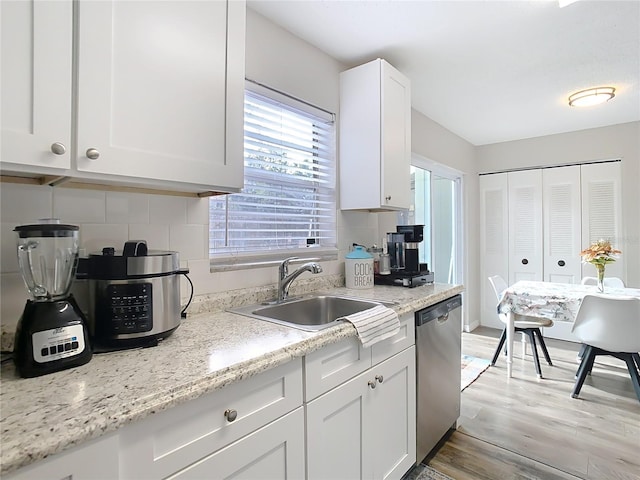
x=439 y=311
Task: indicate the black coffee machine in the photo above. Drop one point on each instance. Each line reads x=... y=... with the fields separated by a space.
x=406 y=269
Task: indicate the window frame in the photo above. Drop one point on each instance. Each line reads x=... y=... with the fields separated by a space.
x=236 y=259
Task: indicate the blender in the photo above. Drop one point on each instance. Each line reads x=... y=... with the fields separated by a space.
x=52 y=332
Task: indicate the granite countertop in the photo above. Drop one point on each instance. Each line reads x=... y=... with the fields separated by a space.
x=45 y=415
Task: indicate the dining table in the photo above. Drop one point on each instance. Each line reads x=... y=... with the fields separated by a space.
x=556 y=301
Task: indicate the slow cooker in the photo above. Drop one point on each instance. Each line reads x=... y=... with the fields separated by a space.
x=132 y=296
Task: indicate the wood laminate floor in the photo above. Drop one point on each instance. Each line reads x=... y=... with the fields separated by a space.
x=525 y=428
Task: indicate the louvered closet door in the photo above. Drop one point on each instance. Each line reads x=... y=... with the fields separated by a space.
x=601 y=212
x=525 y=225
x=494 y=230
x=561 y=206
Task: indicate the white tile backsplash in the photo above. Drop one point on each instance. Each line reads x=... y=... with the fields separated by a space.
x=157 y=236
x=93 y=237
x=127 y=208
x=8 y=253
x=188 y=241
x=167 y=210
x=22 y=204
x=76 y=206
x=198 y=210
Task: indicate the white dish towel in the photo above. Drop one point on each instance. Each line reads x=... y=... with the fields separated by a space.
x=374 y=324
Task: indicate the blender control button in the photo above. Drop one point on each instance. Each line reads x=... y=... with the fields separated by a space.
x=52 y=350
x=75 y=345
x=60 y=348
x=44 y=352
x=67 y=347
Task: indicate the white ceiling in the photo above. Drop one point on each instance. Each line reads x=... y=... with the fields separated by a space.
x=489 y=71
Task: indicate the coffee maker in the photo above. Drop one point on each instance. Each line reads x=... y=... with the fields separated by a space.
x=52 y=332
x=403 y=249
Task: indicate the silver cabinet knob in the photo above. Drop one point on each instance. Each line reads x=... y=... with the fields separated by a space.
x=230 y=414
x=372 y=384
x=58 y=148
x=379 y=378
x=93 y=154
x=388 y=198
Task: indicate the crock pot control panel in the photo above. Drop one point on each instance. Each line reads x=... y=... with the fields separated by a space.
x=128 y=309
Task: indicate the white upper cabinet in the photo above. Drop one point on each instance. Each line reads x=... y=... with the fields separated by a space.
x=375 y=138
x=36 y=85
x=159 y=91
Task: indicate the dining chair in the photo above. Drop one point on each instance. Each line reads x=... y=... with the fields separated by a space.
x=613 y=282
x=529 y=326
x=608 y=325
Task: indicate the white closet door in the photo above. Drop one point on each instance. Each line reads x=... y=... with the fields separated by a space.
x=562 y=243
x=525 y=225
x=494 y=234
x=601 y=212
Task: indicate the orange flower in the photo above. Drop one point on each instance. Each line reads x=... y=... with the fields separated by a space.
x=600 y=252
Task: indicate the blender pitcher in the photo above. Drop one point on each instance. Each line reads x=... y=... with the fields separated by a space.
x=52 y=332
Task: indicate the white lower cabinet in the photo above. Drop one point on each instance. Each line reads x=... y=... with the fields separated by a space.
x=275 y=451
x=366 y=427
x=173 y=442
x=94 y=460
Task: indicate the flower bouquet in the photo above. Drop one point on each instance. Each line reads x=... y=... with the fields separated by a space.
x=599 y=254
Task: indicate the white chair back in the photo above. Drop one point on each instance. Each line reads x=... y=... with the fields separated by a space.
x=608 y=322
x=498 y=284
x=613 y=282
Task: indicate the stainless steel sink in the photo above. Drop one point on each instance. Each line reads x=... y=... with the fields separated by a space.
x=309 y=313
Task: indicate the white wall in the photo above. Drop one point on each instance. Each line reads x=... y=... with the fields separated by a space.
x=618 y=141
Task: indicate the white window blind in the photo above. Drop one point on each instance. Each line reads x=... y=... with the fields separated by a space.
x=288 y=200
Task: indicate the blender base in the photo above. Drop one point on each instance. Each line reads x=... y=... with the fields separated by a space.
x=51 y=336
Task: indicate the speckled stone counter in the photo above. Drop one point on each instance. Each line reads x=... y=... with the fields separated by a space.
x=45 y=415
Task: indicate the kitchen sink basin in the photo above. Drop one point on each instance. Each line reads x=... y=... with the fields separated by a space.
x=308 y=313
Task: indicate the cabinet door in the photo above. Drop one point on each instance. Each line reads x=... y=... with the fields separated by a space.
x=601 y=212
x=494 y=242
x=160 y=91
x=561 y=205
x=394 y=415
x=94 y=460
x=338 y=429
x=276 y=451
x=36 y=69
x=396 y=138
x=525 y=225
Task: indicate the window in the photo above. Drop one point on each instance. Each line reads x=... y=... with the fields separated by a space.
x=288 y=200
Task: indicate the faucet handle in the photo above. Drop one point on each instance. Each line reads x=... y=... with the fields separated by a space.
x=284 y=266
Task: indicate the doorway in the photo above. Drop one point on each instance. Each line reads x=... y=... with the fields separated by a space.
x=436 y=203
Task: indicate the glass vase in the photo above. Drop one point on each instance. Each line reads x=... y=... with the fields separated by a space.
x=600 y=270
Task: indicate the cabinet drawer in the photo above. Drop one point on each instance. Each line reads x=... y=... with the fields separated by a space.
x=334 y=364
x=94 y=460
x=169 y=441
x=275 y=451
x=401 y=340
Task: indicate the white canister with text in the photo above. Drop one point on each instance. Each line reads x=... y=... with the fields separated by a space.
x=358 y=269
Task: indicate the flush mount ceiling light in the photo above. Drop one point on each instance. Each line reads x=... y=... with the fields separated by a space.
x=591 y=96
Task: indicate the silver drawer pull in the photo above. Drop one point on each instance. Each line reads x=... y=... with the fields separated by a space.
x=230 y=414
x=58 y=148
x=372 y=384
x=379 y=378
x=93 y=154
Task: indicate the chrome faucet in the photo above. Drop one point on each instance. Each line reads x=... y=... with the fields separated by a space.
x=285 y=279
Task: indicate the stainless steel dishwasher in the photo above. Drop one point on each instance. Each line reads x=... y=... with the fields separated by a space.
x=438 y=351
